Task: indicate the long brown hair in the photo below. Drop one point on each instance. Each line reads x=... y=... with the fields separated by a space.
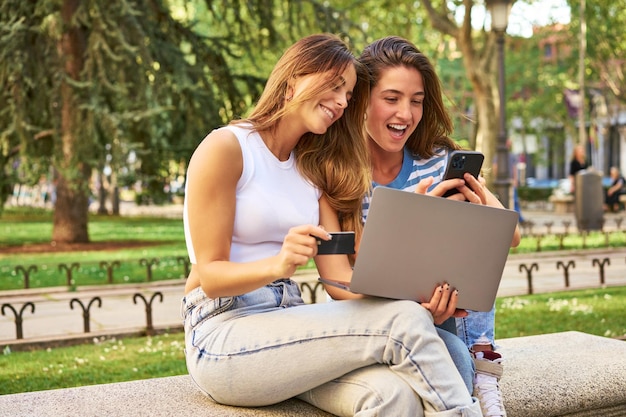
x=337 y=161
x=434 y=129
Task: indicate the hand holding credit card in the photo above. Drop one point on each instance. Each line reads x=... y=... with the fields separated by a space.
x=342 y=243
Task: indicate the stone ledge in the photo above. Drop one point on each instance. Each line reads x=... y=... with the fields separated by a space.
x=158 y=397
x=562 y=374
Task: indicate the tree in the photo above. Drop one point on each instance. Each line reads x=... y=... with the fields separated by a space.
x=479 y=60
x=605 y=54
x=124 y=74
x=80 y=75
x=83 y=83
x=606 y=44
x=535 y=98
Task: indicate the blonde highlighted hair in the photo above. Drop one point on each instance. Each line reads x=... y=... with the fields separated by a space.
x=337 y=161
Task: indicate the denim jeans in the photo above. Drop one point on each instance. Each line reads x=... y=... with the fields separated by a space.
x=363 y=357
x=477 y=328
x=460 y=356
x=456 y=348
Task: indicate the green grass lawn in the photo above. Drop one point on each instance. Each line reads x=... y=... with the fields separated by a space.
x=598 y=311
x=164 y=251
x=22 y=226
x=104 y=361
x=594 y=311
x=573 y=241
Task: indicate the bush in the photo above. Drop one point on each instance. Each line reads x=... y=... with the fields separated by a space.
x=534 y=194
x=147 y=197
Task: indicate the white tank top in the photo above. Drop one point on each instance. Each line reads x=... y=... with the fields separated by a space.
x=272 y=196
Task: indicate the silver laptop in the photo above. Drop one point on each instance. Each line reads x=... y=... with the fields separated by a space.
x=413 y=242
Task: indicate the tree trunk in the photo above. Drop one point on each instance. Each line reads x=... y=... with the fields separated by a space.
x=102 y=194
x=486 y=103
x=70 y=214
x=480 y=67
x=487 y=110
x=73 y=172
x=483 y=78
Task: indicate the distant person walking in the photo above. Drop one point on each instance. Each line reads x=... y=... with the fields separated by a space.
x=577 y=163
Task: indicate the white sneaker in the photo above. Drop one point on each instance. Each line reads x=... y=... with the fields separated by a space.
x=486 y=383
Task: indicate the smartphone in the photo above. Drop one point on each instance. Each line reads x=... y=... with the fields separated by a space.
x=342 y=243
x=460 y=162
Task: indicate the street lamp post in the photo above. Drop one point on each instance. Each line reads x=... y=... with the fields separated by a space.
x=499 y=10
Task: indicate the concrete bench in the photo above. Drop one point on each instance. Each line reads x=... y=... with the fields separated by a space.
x=562 y=203
x=560 y=374
x=564 y=374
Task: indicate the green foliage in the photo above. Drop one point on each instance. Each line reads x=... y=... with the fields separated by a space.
x=605 y=46
x=146 y=82
x=534 y=194
x=154 y=195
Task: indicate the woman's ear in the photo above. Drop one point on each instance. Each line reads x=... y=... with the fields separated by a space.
x=289 y=93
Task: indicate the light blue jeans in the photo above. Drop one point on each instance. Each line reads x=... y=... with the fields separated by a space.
x=369 y=357
x=477 y=328
x=460 y=356
x=456 y=348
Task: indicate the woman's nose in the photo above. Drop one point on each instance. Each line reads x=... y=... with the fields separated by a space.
x=404 y=110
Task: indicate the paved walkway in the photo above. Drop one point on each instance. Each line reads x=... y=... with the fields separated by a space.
x=121 y=308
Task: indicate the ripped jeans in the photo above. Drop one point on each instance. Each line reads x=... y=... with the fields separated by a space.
x=368 y=357
x=477 y=328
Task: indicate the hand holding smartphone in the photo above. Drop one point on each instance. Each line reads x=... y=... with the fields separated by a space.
x=460 y=162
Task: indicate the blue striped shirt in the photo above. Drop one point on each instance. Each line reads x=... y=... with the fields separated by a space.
x=414 y=169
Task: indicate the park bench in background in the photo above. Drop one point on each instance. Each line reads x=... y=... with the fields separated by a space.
x=562 y=203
